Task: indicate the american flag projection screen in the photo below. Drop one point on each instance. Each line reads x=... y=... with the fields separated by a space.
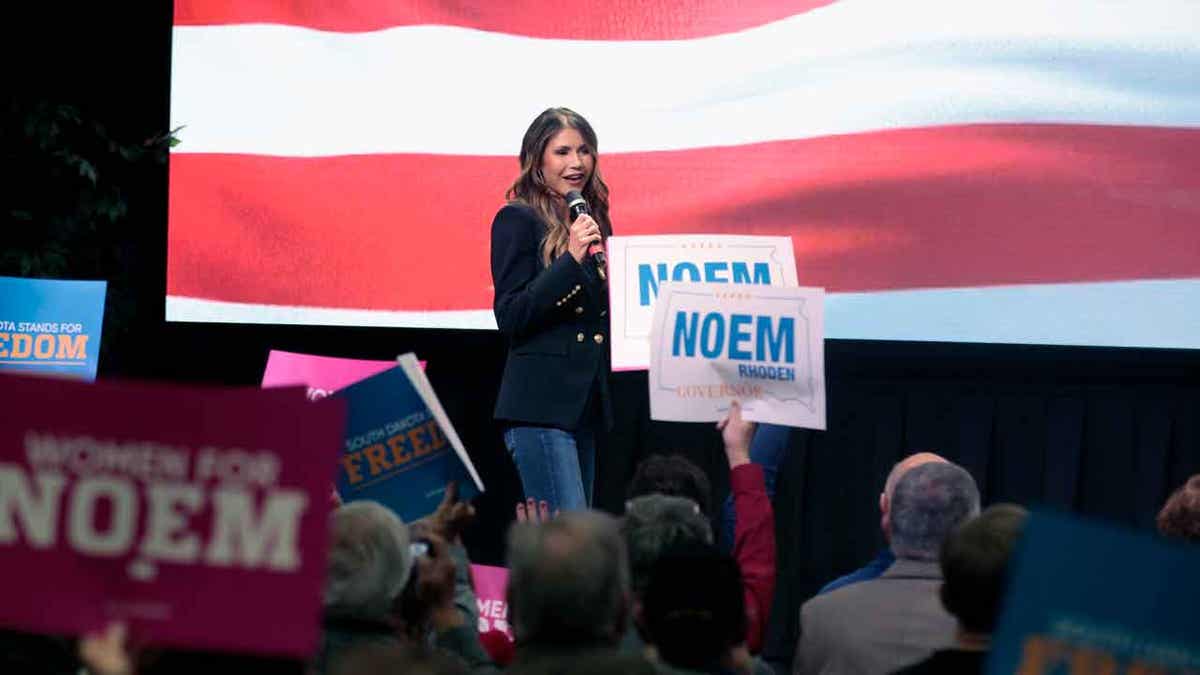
x=1021 y=171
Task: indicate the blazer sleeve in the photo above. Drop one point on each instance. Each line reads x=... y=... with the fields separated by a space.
x=528 y=297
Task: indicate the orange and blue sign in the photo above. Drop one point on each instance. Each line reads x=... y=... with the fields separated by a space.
x=51 y=326
x=1085 y=597
x=396 y=452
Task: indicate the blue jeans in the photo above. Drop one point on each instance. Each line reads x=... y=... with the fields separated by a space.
x=768 y=449
x=555 y=465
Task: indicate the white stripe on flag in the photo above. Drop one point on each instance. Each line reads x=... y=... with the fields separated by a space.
x=181 y=308
x=854 y=66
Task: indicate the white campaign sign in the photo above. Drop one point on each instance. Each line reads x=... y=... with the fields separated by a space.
x=639 y=265
x=764 y=346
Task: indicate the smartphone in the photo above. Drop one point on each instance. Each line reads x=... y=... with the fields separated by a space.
x=419 y=548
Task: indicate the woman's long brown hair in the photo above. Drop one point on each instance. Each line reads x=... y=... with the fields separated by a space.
x=529 y=188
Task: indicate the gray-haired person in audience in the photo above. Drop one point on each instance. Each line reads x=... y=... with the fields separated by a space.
x=974 y=564
x=883 y=624
x=653 y=524
x=379 y=590
x=885 y=558
x=568 y=593
x=656 y=525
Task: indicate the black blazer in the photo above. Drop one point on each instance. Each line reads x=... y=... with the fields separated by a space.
x=556 y=321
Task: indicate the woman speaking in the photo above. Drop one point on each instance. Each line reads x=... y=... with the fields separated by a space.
x=552 y=304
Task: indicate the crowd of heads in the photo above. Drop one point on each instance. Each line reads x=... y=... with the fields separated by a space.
x=582 y=584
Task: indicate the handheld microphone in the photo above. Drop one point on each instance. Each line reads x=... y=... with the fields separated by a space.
x=578 y=206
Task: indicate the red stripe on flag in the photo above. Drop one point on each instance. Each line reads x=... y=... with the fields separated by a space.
x=586 y=20
x=935 y=207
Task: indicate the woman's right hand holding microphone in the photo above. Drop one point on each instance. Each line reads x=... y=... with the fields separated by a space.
x=584 y=232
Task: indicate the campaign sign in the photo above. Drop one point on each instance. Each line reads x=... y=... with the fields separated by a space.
x=764 y=346
x=491 y=586
x=322 y=375
x=197 y=516
x=51 y=326
x=400 y=448
x=1090 y=598
x=639 y=265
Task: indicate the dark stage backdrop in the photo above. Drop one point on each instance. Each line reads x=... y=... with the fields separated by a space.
x=1103 y=432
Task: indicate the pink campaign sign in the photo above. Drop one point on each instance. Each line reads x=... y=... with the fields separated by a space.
x=323 y=375
x=198 y=516
x=491 y=584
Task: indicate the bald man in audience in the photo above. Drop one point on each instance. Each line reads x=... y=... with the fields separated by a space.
x=881 y=625
x=885 y=558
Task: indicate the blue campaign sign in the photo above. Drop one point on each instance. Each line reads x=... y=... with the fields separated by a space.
x=51 y=326
x=395 y=451
x=760 y=337
x=1089 y=598
x=712 y=271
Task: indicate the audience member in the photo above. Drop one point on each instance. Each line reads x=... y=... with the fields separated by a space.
x=452 y=618
x=673 y=475
x=654 y=524
x=568 y=592
x=369 y=565
x=692 y=611
x=885 y=558
x=1180 y=516
x=883 y=624
x=974 y=562
x=380 y=591
x=754 y=538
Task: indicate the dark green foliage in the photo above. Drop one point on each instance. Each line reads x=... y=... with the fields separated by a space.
x=68 y=198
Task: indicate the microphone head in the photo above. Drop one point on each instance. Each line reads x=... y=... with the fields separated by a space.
x=576 y=203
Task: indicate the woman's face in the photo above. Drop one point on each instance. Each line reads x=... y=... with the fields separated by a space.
x=567 y=162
